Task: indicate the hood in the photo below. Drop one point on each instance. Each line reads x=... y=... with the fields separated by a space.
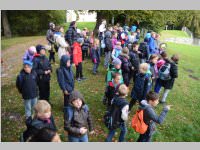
x=144 y=104
x=124 y=55
x=76 y=44
x=75 y=95
x=108 y=34
x=64 y=60
x=119 y=102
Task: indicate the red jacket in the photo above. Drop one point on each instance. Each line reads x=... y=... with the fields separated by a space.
x=77 y=53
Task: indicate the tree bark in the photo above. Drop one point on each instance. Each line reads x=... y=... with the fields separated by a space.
x=6 y=26
x=98 y=22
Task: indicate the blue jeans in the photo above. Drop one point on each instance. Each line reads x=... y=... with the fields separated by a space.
x=83 y=138
x=95 y=67
x=29 y=104
x=157 y=87
x=147 y=136
x=122 y=134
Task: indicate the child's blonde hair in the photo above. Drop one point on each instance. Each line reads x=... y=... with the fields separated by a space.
x=96 y=42
x=123 y=90
x=143 y=67
x=42 y=107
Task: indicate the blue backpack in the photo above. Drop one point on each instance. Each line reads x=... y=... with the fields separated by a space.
x=164 y=72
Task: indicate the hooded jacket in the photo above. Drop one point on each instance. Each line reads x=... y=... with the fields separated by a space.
x=71 y=35
x=116 y=51
x=134 y=59
x=96 y=54
x=65 y=76
x=150 y=117
x=27 y=84
x=77 y=53
x=75 y=118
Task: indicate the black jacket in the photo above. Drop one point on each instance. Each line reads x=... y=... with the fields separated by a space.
x=86 y=45
x=75 y=118
x=36 y=125
x=108 y=41
x=27 y=84
x=65 y=76
x=71 y=35
x=40 y=65
x=134 y=59
x=168 y=84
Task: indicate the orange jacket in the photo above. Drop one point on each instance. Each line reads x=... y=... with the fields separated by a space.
x=77 y=53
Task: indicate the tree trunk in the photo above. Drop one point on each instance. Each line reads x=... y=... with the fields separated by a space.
x=98 y=22
x=6 y=26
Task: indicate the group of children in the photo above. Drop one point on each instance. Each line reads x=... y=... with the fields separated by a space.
x=125 y=59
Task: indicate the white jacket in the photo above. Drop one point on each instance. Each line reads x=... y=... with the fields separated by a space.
x=61 y=44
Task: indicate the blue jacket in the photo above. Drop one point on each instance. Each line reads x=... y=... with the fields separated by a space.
x=152 y=45
x=141 y=87
x=96 y=54
x=65 y=76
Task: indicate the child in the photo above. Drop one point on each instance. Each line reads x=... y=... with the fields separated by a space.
x=132 y=37
x=122 y=105
x=134 y=59
x=27 y=86
x=162 y=48
x=173 y=73
x=112 y=89
x=153 y=69
x=42 y=67
x=114 y=39
x=126 y=65
x=65 y=78
x=141 y=85
x=29 y=54
x=46 y=135
x=152 y=43
x=77 y=119
x=42 y=118
x=138 y=34
x=115 y=67
x=95 y=51
x=150 y=117
x=77 y=59
x=117 y=50
x=51 y=40
x=85 y=47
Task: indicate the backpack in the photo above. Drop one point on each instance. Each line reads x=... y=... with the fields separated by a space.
x=138 y=123
x=143 y=48
x=112 y=118
x=164 y=72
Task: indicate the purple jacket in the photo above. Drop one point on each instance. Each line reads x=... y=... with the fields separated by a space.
x=114 y=41
x=28 y=56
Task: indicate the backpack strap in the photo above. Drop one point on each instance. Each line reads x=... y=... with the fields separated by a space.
x=85 y=108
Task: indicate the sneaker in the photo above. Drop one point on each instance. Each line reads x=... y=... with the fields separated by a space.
x=83 y=78
x=94 y=73
x=78 y=79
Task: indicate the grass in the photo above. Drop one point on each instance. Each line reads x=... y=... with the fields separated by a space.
x=7 y=42
x=173 y=34
x=181 y=124
x=81 y=25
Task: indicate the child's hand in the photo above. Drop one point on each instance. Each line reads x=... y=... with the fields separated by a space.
x=83 y=130
x=92 y=132
x=45 y=72
x=66 y=92
x=168 y=107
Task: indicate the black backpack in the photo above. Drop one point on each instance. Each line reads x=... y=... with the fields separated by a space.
x=143 y=48
x=112 y=117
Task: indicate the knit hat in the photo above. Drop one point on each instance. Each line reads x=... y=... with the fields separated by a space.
x=80 y=40
x=75 y=95
x=116 y=61
x=39 y=47
x=32 y=50
x=27 y=62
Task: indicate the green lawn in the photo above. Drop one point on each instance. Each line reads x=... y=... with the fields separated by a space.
x=7 y=42
x=181 y=124
x=173 y=34
x=81 y=25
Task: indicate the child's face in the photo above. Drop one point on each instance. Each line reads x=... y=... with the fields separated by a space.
x=42 y=52
x=154 y=103
x=68 y=63
x=56 y=138
x=27 y=68
x=118 y=66
x=62 y=30
x=117 y=79
x=44 y=115
x=136 y=47
x=77 y=103
x=155 y=60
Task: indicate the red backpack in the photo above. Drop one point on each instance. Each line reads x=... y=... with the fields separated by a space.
x=138 y=123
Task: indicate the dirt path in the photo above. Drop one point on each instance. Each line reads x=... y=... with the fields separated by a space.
x=12 y=60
